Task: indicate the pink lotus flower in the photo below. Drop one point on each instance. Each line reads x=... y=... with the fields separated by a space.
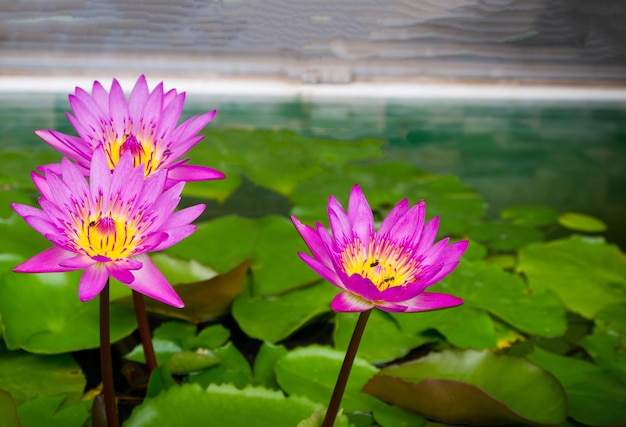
x=389 y=269
x=145 y=126
x=106 y=226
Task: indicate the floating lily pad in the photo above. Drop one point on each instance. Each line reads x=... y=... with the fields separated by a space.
x=26 y=375
x=264 y=363
x=50 y=411
x=312 y=372
x=530 y=215
x=587 y=274
x=273 y=319
x=41 y=313
x=505 y=237
x=233 y=368
x=376 y=347
x=595 y=397
x=581 y=222
x=467 y=388
x=222 y=405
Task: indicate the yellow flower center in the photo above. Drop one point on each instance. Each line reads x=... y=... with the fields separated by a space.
x=144 y=147
x=107 y=236
x=385 y=264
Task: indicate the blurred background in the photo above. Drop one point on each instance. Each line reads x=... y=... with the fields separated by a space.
x=522 y=99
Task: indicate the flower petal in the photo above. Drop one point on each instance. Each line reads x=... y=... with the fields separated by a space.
x=47 y=261
x=361 y=216
x=194 y=173
x=93 y=280
x=151 y=282
x=427 y=301
x=350 y=303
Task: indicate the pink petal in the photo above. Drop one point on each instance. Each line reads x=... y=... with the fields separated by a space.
x=138 y=97
x=185 y=216
x=323 y=270
x=361 y=216
x=174 y=235
x=93 y=280
x=151 y=282
x=408 y=227
x=313 y=240
x=339 y=223
x=427 y=301
x=77 y=262
x=349 y=302
x=189 y=173
x=390 y=220
x=428 y=236
x=47 y=261
x=118 y=108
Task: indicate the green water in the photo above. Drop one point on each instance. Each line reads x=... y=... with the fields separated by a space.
x=566 y=155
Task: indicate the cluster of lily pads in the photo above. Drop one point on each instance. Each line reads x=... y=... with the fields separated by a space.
x=540 y=339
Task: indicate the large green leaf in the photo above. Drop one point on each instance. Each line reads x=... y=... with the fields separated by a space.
x=382 y=340
x=223 y=405
x=504 y=236
x=264 y=362
x=473 y=387
x=26 y=375
x=463 y=327
x=530 y=215
x=587 y=274
x=41 y=313
x=275 y=318
x=488 y=287
x=272 y=243
x=233 y=368
x=595 y=397
x=50 y=411
x=581 y=222
x=313 y=371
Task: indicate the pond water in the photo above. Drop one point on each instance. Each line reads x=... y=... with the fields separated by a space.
x=566 y=155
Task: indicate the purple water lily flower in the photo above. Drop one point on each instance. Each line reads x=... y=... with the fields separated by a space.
x=145 y=126
x=389 y=269
x=108 y=225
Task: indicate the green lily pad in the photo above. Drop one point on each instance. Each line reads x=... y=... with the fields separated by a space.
x=255 y=154
x=41 y=313
x=26 y=375
x=264 y=362
x=506 y=296
x=587 y=274
x=271 y=243
x=382 y=340
x=233 y=368
x=394 y=416
x=530 y=215
x=505 y=237
x=8 y=410
x=50 y=411
x=595 y=397
x=581 y=222
x=312 y=372
x=466 y=388
x=222 y=405
x=463 y=327
x=273 y=319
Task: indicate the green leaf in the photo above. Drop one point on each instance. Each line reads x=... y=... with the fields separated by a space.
x=382 y=340
x=185 y=362
x=530 y=215
x=595 y=397
x=393 y=416
x=505 y=237
x=487 y=287
x=221 y=405
x=255 y=154
x=160 y=380
x=581 y=222
x=41 y=313
x=312 y=372
x=8 y=411
x=256 y=240
x=264 y=364
x=50 y=411
x=234 y=369
x=466 y=387
x=275 y=318
x=463 y=327
x=587 y=274
x=26 y=375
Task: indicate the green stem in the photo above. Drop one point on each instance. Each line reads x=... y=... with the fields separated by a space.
x=344 y=373
x=105 y=359
x=144 y=331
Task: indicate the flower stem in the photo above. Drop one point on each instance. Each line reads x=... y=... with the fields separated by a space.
x=105 y=359
x=344 y=373
x=144 y=331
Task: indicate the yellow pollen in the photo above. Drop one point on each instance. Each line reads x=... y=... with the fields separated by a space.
x=143 y=146
x=385 y=264
x=107 y=237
